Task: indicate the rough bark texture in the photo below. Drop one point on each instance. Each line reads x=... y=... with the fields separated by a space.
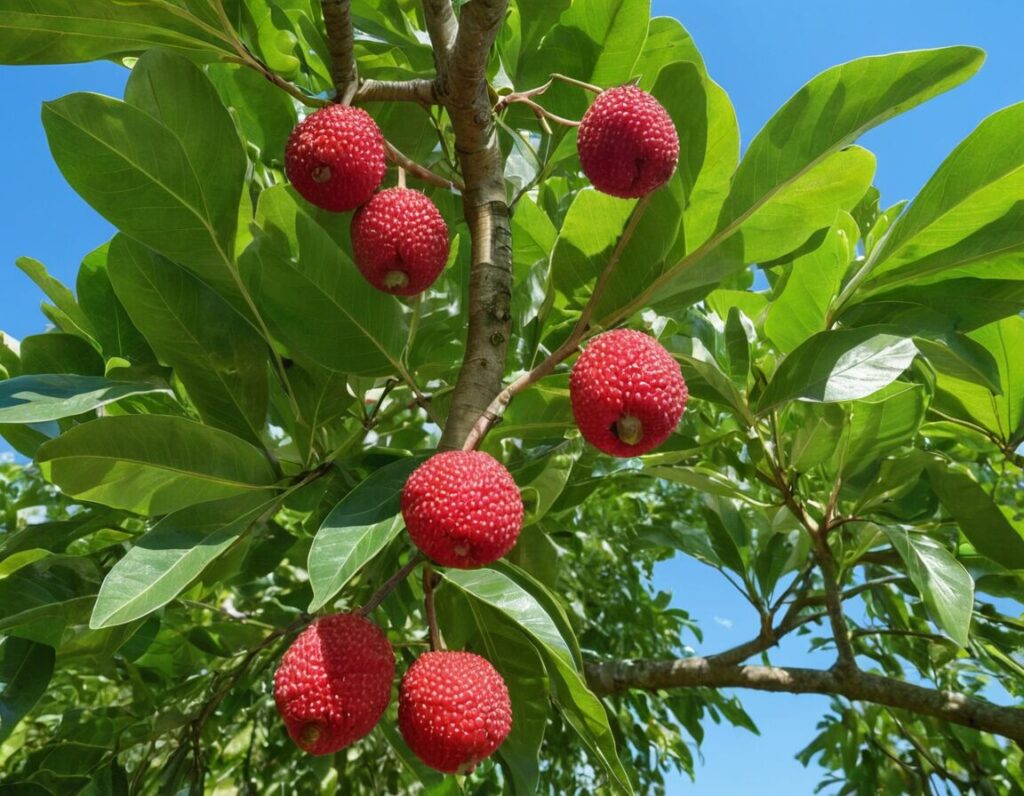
x=619 y=676
x=463 y=90
x=340 y=44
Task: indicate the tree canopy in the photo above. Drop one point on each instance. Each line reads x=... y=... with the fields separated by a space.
x=215 y=428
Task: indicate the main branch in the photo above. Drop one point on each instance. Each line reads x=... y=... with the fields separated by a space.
x=464 y=92
x=614 y=678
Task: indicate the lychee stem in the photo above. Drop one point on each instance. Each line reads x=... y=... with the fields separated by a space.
x=574 y=82
x=428 y=609
x=396 y=279
x=629 y=429
x=401 y=177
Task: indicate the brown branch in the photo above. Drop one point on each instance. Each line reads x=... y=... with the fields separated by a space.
x=834 y=601
x=341 y=46
x=391 y=583
x=497 y=407
x=442 y=28
x=428 y=609
x=618 y=676
x=418 y=90
x=465 y=94
x=422 y=172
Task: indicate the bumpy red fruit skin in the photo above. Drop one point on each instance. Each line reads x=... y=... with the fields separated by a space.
x=626 y=374
x=453 y=710
x=335 y=157
x=627 y=143
x=334 y=682
x=462 y=509
x=400 y=231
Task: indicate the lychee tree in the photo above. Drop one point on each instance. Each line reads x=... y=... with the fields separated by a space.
x=345 y=467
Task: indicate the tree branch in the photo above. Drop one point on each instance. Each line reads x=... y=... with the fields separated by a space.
x=443 y=29
x=619 y=676
x=464 y=92
x=418 y=90
x=341 y=46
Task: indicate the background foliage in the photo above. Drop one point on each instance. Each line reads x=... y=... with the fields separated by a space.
x=229 y=411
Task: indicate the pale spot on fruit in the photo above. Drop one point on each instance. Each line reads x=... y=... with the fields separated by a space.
x=310 y=734
x=396 y=279
x=629 y=429
x=321 y=174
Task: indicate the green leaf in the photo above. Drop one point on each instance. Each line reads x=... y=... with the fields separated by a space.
x=991 y=531
x=805 y=294
x=942 y=581
x=218 y=356
x=74 y=31
x=582 y=710
x=969 y=212
x=854 y=97
x=35 y=399
x=55 y=352
x=163 y=562
x=839 y=365
x=152 y=464
x=358 y=528
x=315 y=300
x=157 y=178
x=63 y=298
x=617 y=29
x=878 y=424
x=115 y=333
x=25 y=671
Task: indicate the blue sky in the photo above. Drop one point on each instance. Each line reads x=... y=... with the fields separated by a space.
x=761 y=52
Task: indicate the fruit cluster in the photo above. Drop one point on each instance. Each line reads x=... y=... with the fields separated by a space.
x=462 y=509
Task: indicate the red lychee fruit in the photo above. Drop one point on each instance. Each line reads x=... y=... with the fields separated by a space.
x=453 y=710
x=627 y=143
x=334 y=682
x=335 y=157
x=627 y=393
x=400 y=241
x=462 y=509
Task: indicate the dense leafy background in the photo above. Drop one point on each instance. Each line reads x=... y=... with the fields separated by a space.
x=227 y=410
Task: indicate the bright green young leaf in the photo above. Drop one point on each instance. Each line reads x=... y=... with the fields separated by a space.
x=152 y=464
x=56 y=352
x=876 y=425
x=809 y=284
x=969 y=212
x=63 y=299
x=839 y=365
x=223 y=365
x=942 y=581
x=357 y=529
x=115 y=333
x=163 y=562
x=25 y=671
x=73 y=31
x=35 y=399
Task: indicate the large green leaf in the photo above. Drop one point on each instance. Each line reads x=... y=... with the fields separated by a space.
x=163 y=562
x=152 y=464
x=970 y=211
x=874 y=426
x=944 y=584
x=72 y=31
x=617 y=28
x=982 y=521
x=35 y=399
x=115 y=332
x=56 y=352
x=582 y=710
x=62 y=298
x=839 y=365
x=25 y=671
x=171 y=181
x=315 y=300
x=804 y=295
x=218 y=356
x=358 y=528
x=853 y=97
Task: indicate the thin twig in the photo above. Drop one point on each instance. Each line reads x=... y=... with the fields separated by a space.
x=422 y=172
x=428 y=608
x=391 y=583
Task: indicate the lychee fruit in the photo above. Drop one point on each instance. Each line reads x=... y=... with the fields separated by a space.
x=462 y=509
x=400 y=241
x=453 y=710
x=335 y=157
x=627 y=143
x=627 y=393
x=334 y=682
